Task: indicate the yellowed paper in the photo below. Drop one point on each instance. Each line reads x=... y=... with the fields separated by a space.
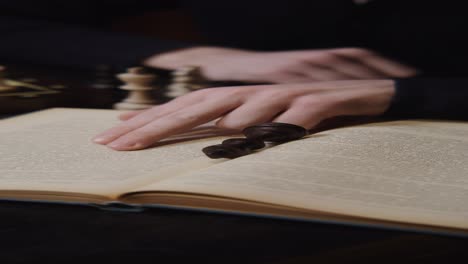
x=52 y=150
x=409 y=171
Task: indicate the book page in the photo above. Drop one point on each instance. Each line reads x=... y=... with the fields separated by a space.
x=52 y=150
x=408 y=171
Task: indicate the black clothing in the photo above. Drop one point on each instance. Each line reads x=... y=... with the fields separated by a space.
x=424 y=34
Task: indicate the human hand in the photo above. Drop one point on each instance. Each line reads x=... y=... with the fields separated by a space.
x=305 y=105
x=223 y=64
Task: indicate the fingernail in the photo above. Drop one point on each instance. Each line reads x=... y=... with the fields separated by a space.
x=101 y=139
x=125 y=146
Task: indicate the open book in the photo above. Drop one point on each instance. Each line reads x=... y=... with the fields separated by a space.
x=402 y=173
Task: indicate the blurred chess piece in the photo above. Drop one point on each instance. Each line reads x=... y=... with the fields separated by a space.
x=185 y=80
x=104 y=77
x=3 y=82
x=139 y=84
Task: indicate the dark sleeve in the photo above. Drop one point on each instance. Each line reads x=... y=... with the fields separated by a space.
x=430 y=98
x=77 y=37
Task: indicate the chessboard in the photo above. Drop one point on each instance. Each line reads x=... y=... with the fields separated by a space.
x=26 y=88
x=30 y=88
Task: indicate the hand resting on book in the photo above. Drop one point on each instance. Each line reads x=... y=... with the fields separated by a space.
x=304 y=105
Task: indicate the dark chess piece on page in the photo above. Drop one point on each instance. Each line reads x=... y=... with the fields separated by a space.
x=275 y=132
x=256 y=136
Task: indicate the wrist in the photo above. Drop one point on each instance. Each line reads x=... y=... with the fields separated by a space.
x=381 y=96
x=369 y=98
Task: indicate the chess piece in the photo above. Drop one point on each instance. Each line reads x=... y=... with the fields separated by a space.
x=256 y=136
x=233 y=148
x=4 y=86
x=185 y=80
x=275 y=132
x=104 y=78
x=139 y=85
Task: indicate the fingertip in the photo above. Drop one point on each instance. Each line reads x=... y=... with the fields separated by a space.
x=125 y=116
x=128 y=146
x=101 y=139
x=128 y=115
x=98 y=140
